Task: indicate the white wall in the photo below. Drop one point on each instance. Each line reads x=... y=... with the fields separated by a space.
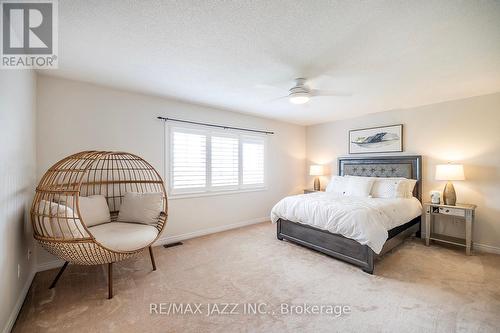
x=465 y=131
x=17 y=175
x=75 y=116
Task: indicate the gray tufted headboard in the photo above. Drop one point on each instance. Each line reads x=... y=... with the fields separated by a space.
x=385 y=166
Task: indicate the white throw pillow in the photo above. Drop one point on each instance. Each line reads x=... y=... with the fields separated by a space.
x=141 y=207
x=67 y=200
x=337 y=184
x=94 y=210
x=405 y=189
x=411 y=186
x=385 y=188
x=382 y=187
x=59 y=221
x=359 y=186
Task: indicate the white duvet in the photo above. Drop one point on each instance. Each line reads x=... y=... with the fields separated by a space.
x=366 y=220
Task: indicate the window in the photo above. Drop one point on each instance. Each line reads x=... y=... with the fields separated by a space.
x=225 y=169
x=202 y=160
x=253 y=161
x=189 y=154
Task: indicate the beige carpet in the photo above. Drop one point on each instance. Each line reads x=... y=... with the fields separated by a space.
x=414 y=289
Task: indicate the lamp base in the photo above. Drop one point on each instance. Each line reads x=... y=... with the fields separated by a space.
x=316 y=184
x=449 y=195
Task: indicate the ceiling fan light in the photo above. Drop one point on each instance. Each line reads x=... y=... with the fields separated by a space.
x=299 y=98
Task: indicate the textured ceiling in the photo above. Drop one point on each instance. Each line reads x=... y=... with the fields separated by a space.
x=386 y=54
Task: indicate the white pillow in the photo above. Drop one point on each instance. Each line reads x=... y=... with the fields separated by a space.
x=67 y=200
x=359 y=186
x=337 y=184
x=405 y=188
x=385 y=188
x=411 y=186
x=382 y=187
x=141 y=207
x=94 y=210
x=60 y=222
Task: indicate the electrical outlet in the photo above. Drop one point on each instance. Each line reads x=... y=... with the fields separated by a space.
x=29 y=254
x=18 y=271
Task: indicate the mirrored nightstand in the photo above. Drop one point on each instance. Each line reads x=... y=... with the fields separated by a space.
x=463 y=211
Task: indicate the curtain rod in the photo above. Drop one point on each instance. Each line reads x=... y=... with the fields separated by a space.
x=213 y=125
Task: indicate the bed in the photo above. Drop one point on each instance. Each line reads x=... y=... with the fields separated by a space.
x=348 y=249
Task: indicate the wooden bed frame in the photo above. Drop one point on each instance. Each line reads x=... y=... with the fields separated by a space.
x=347 y=249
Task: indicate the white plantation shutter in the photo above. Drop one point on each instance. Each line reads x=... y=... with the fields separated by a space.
x=253 y=161
x=224 y=161
x=203 y=161
x=189 y=159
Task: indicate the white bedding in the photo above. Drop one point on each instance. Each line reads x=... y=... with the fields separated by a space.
x=366 y=220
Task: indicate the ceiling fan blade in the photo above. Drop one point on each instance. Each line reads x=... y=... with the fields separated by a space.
x=319 y=92
x=276 y=99
x=266 y=86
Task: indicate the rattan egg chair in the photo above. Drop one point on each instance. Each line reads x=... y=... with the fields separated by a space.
x=64 y=233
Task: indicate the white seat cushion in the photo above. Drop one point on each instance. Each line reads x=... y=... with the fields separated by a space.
x=124 y=236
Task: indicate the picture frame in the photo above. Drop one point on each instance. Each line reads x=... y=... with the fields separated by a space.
x=381 y=139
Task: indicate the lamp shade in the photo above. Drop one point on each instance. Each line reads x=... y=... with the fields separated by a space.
x=450 y=172
x=316 y=170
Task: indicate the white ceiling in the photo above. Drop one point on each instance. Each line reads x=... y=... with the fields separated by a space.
x=387 y=54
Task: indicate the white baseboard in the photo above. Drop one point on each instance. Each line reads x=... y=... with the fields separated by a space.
x=19 y=303
x=177 y=238
x=170 y=239
x=486 y=248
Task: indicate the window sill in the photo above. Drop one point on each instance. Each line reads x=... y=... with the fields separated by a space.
x=211 y=194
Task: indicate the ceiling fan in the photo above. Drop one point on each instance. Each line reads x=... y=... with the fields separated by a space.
x=300 y=93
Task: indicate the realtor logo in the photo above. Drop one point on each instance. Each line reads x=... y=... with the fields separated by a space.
x=29 y=34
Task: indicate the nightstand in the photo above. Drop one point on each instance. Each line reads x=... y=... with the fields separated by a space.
x=310 y=190
x=463 y=211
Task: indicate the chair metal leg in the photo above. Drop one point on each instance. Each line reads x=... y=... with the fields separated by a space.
x=152 y=258
x=53 y=284
x=110 y=280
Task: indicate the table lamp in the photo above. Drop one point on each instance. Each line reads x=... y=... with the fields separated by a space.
x=449 y=172
x=316 y=170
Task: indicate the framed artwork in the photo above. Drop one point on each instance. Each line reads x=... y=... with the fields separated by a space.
x=384 y=139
